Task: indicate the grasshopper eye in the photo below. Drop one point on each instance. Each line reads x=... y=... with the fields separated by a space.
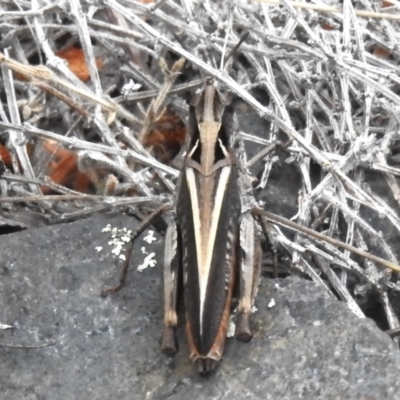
x=209 y=81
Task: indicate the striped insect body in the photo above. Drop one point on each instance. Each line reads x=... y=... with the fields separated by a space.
x=212 y=233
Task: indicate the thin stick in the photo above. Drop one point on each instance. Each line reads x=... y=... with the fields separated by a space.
x=27 y=347
x=17 y=138
x=124 y=271
x=78 y=144
x=149 y=94
x=63 y=97
x=330 y=9
x=44 y=74
x=292 y=225
x=78 y=197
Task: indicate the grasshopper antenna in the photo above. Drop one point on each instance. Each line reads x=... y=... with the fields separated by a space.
x=228 y=31
x=232 y=52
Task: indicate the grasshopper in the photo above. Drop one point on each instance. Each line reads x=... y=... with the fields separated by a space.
x=212 y=244
x=213 y=239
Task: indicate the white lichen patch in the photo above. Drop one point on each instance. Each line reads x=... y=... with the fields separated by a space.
x=5 y=326
x=150 y=238
x=99 y=248
x=126 y=237
x=130 y=87
x=119 y=238
x=117 y=249
x=143 y=250
x=107 y=228
x=271 y=303
x=149 y=261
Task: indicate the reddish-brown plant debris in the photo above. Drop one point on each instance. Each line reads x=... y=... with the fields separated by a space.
x=63 y=169
x=76 y=62
x=167 y=136
x=5 y=155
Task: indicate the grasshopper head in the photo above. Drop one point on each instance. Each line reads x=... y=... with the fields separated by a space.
x=212 y=127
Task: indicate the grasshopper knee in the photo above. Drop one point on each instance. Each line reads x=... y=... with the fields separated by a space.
x=168 y=341
x=243 y=332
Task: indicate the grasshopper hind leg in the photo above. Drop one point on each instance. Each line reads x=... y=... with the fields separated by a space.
x=172 y=271
x=169 y=345
x=250 y=267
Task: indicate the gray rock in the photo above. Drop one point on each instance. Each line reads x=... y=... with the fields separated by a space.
x=308 y=345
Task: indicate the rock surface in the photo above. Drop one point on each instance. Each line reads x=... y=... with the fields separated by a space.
x=307 y=345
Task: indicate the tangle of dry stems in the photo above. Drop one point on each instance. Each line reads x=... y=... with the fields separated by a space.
x=330 y=80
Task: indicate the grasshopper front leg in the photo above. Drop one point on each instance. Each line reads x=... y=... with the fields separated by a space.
x=250 y=267
x=171 y=281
